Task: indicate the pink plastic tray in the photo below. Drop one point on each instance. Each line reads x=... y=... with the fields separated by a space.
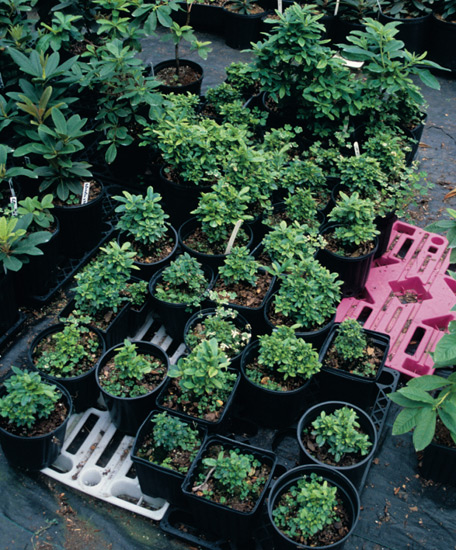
x=409 y=297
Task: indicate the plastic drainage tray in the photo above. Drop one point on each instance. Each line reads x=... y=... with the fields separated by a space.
x=95 y=457
x=409 y=297
x=179 y=522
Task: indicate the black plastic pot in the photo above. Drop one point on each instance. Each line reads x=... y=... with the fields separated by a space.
x=212 y=427
x=219 y=519
x=212 y=260
x=355 y=472
x=175 y=316
x=39 y=275
x=117 y=330
x=9 y=312
x=438 y=463
x=240 y=30
x=179 y=199
x=346 y=492
x=146 y=270
x=413 y=31
x=353 y=272
x=80 y=226
x=38 y=452
x=315 y=337
x=156 y=480
x=385 y=226
x=137 y=315
x=128 y=413
x=341 y=28
x=274 y=409
x=442 y=42
x=277 y=119
x=194 y=87
x=339 y=384
x=239 y=321
x=83 y=389
x=205 y=18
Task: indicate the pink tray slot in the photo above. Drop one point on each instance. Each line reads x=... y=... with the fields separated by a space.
x=409 y=297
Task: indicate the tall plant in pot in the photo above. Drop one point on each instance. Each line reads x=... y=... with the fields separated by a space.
x=143 y=220
x=352 y=241
x=276 y=373
x=68 y=353
x=130 y=377
x=34 y=415
x=202 y=387
x=428 y=409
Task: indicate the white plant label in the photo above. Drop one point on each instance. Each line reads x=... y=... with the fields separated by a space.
x=85 y=192
x=280 y=6
x=13 y=198
x=237 y=226
x=356 y=148
x=336 y=9
x=2 y=85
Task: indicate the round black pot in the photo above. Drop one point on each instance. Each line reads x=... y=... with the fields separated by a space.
x=254 y=315
x=156 y=480
x=356 y=389
x=346 y=492
x=9 y=312
x=80 y=226
x=415 y=134
x=355 y=472
x=239 y=321
x=179 y=199
x=442 y=42
x=212 y=260
x=273 y=409
x=194 y=87
x=128 y=413
x=207 y=18
x=341 y=28
x=278 y=118
x=413 y=31
x=146 y=270
x=131 y=161
x=241 y=30
x=215 y=426
x=83 y=389
x=219 y=519
x=315 y=337
x=385 y=226
x=38 y=276
x=38 y=452
x=353 y=272
x=175 y=316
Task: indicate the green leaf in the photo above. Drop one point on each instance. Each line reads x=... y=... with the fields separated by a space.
x=425 y=428
x=417 y=395
x=428 y=382
x=405 y=421
x=447 y=414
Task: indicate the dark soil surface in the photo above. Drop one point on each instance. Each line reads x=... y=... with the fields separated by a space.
x=180 y=460
x=94 y=190
x=199 y=242
x=355 y=252
x=246 y=295
x=322 y=453
x=159 y=251
x=170 y=77
x=268 y=375
x=442 y=435
x=373 y=355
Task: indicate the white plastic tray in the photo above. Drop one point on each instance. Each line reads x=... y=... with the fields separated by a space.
x=95 y=457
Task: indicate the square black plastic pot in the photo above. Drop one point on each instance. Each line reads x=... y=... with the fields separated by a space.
x=338 y=384
x=156 y=480
x=216 y=518
x=439 y=463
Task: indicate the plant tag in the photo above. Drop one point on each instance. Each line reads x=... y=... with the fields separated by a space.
x=237 y=226
x=356 y=148
x=2 y=84
x=13 y=198
x=85 y=192
x=280 y=6
x=336 y=9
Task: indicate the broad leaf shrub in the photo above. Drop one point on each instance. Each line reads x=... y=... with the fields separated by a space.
x=239 y=267
x=350 y=341
x=28 y=398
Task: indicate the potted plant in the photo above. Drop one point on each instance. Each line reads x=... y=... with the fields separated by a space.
x=339 y=435
x=276 y=373
x=242 y=22
x=226 y=486
x=102 y=291
x=308 y=297
x=163 y=452
x=201 y=386
x=182 y=75
x=177 y=290
x=350 y=17
x=34 y=416
x=245 y=284
x=429 y=413
x=352 y=241
x=129 y=377
x=68 y=353
x=353 y=359
x=143 y=221
x=223 y=323
x=312 y=507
